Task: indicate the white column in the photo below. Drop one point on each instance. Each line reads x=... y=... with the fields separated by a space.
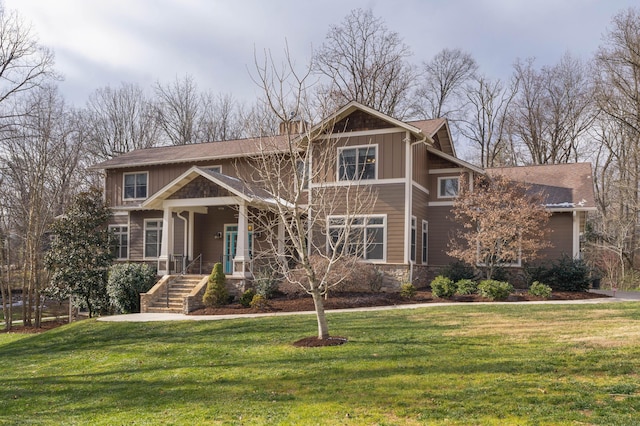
x=166 y=245
x=408 y=188
x=190 y=233
x=281 y=256
x=241 y=261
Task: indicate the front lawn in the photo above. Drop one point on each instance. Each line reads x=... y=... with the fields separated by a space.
x=491 y=364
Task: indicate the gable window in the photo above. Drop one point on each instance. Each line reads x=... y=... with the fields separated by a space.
x=217 y=169
x=135 y=185
x=120 y=241
x=413 y=238
x=357 y=163
x=360 y=236
x=425 y=241
x=152 y=238
x=448 y=187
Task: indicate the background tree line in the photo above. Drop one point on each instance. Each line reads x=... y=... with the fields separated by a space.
x=574 y=110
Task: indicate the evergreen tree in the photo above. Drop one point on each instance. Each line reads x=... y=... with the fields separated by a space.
x=80 y=253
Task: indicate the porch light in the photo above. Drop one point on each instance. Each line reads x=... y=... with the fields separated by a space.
x=250 y=228
x=218 y=235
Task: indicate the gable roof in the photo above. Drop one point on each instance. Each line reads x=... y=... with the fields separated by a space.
x=210 y=151
x=238 y=187
x=567 y=187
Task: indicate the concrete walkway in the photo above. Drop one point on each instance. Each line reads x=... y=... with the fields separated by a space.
x=619 y=297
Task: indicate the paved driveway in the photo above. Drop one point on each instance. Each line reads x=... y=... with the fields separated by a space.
x=626 y=295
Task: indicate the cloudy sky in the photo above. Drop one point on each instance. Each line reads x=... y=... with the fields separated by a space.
x=105 y=42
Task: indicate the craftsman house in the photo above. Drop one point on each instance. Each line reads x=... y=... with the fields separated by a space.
x=180 y=206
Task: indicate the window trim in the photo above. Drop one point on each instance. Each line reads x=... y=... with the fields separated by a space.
x=144 y=238
x=442 y=178
x=367 y=217
x=134 y=198
x=425 y=242
x=112 y=232
x=357 y=147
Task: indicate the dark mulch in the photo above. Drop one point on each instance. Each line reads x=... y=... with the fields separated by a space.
x=29 y=329
x=359 y=300
x=314 y=342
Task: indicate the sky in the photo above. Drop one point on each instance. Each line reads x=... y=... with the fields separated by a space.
x=100 y=43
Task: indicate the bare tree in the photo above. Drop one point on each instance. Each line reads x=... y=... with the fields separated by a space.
x=40 y=160
x=311 y=224
x=442 y=84
x=617 y=173
x=119 y=120
x=486 y=122
x=552 y=110
x=501 y=223
x=178 y=110
x=366 y=62
x=221 y=118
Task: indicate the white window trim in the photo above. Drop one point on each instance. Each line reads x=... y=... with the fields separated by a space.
x=144 y=238
x=425 y=242
x=440 y=179
x=340 y=149
x=384 y=227
x=413 y=240
x=123 y=186
x=111 y=228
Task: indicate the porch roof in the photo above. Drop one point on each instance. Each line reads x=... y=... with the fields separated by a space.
x=238 y=187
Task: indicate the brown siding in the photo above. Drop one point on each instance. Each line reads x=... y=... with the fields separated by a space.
x=441 y=229
x=420 y=165
x=206 y=228
x=391 y=202
x=136 y=232
x=419 y=210
x=560 y=234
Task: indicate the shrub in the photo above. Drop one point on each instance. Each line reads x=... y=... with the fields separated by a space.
x=466 y=286
x=495 y=290
x=259 y=302
x=125 y=283
x=247 y=297
x=216 y=293
x=407 y=291
x=457 y=271
x=565 y=274
x=540 y=290
x=266 y=283
x=443 y=287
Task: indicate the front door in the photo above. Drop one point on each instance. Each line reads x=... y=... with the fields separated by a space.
x=230 y=243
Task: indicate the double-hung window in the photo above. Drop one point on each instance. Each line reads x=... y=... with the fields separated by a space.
x=425 y=241
x=120 y=241
x=152 y=238
x=361 y=236
x=135 y=186
x=357 y=163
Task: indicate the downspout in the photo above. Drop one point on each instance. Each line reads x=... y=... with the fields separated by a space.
x=409 y=201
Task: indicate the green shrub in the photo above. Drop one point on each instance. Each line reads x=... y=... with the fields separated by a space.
x=495 y=290
x=216 y=293
x=466 y=286
x=407 y=291
x=125 y=283
x=259 y=302
x=247 y=297
x=457 y=271
x=540 y=290
x=565 y=274
x=266 y=283
x=443 y=287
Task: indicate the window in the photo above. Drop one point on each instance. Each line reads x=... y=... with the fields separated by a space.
x=152 y=238
x=357 y=163
x=448 y=187
x=361 y=236
x=217 y=169
x=425 y=241
x=120 y=241
x=303 y=173
x=413 y=238
x=135 y=185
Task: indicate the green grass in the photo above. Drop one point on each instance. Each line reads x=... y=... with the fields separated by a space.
x=495 y=364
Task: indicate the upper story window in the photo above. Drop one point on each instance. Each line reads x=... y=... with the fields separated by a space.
x=356 y=163
x=448 y=187
x=135 y=185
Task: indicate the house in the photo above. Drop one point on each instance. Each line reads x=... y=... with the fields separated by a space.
x=176 y=204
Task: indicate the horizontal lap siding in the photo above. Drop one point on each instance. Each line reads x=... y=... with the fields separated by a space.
x=560 y=234
x=420 y=200
x=136 y=232
x=441 y=229
x=391 y=201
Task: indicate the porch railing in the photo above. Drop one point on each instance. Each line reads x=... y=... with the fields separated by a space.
x=196 y=261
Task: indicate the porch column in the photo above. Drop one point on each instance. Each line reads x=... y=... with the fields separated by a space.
x=166 y=244
x=242 y=260
x=281 y=255
x=190 y=233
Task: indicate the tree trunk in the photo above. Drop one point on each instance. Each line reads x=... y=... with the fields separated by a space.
x=323 y=327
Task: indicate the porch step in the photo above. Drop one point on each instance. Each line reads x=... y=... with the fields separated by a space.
x=177 y=291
